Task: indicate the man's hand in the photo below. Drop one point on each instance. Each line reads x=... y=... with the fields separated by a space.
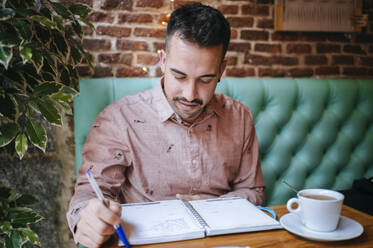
x=189 y=197
x=96 y=222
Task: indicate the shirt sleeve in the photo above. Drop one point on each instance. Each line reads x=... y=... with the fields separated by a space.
x=249 y=181
x=106 y=154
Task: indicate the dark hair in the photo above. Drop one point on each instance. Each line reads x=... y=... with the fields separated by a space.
x=199 y=24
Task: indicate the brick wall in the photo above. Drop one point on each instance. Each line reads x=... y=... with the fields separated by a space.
x=128 y=34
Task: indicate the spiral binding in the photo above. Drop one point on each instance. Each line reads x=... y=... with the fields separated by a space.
x=195 y=214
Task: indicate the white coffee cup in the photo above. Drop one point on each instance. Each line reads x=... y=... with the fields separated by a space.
x=318 y=209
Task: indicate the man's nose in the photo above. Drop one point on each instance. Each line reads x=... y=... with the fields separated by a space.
x=190 y=91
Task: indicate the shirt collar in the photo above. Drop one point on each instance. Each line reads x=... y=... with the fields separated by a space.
x=165 y=111
x=161 y=104
x=214 y=106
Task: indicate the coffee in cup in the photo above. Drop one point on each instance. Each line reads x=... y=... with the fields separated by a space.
x=318 y=209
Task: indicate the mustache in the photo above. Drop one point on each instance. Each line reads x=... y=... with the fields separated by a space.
x=180 y=98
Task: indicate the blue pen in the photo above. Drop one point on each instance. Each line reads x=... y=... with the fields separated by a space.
x=273 y=213
x=118 y=229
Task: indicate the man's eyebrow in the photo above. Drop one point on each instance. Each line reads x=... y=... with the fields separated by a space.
x=208 y=75
x=184 y=74
x=177 y=71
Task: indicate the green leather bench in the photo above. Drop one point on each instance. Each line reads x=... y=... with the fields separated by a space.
x=312 y=132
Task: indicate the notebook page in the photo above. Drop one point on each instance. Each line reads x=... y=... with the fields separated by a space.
x=232 y=213
x=162 y=221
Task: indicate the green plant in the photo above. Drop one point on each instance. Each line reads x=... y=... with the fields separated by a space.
x=40 y=47
x=15 y=219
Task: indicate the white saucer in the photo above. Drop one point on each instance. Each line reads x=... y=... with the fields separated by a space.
x=346 y=229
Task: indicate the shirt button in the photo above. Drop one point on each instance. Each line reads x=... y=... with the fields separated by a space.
x=194 y=161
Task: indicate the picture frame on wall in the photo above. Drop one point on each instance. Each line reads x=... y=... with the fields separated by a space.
x=320 y=15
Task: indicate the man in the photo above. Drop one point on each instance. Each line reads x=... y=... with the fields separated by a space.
x=177 y=140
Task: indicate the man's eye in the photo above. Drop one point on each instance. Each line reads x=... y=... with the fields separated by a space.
x=179 y=77
x=205 y=81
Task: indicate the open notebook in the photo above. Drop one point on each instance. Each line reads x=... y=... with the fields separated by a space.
x=172 y=220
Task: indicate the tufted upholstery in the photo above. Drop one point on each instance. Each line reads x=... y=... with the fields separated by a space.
x=312 y=132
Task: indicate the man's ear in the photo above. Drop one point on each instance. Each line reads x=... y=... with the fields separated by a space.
x=162 y=60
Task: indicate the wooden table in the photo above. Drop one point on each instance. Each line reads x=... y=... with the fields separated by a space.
x=278 y=238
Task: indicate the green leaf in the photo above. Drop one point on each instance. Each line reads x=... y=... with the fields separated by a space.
x=37 y=60
x=23 y=28
x=42 y=35
x=8 y=242
x=6 y=55
x=29 y=70
x=59 y=23
x=79 y=9
x=6 y=13
x=34 y=106
x=14 y=197
x=8 y=132
x=37 y=134
x=69 y=90
x=31 y=236
x=47 y=88
x=14 y=75
x=21 y=98
x=60 y=42
x=25 y=12
x=21 y=145
x=78 y=29
x=43 y=21
x=16 y=239
x=9 y=39
x=62 y=10
x=61 y=97
x=24 y=218
x=26 y=200
x=76 y=55
x=44 y=11
x=86 y=22
x=28 y=245
x=65 y=107
x=49 y=111
x=50 y=64
x=5 y=227
x=8 y=107
x=26 y=53
x=21 y=209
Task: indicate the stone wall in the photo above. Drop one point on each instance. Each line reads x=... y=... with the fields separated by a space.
x=125 y=43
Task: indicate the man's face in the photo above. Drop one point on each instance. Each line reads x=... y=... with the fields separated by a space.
x=191 y=73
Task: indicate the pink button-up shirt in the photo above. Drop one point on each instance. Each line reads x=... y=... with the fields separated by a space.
x=139 y=150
